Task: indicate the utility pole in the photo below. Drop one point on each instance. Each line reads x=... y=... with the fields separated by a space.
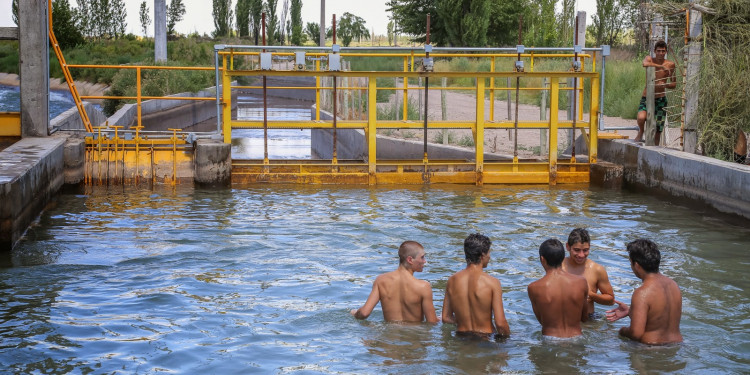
x=322 y=23
x=160 y=30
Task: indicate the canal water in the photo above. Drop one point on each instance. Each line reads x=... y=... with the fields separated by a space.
x=260 y=279
x=59 y=100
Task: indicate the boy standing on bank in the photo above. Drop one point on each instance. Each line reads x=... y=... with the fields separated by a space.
x=473 y=297
x=403 y=297
x=664 y=79
x=578 y=263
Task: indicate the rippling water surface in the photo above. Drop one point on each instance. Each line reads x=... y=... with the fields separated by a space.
x=260 y=280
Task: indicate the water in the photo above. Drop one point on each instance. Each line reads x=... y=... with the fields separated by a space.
x=261 y=279
x=59 y=100
x=282 y=143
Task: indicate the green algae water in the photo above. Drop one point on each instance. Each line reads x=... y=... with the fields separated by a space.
x=260 y=280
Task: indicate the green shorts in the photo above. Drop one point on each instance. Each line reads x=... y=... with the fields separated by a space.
x=659 y=107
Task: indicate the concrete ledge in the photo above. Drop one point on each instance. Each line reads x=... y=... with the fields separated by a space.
x=213 y=162
x=31 y=173
x=71 y=119
x=74 y=160
x=719 y=184
x=606 y=175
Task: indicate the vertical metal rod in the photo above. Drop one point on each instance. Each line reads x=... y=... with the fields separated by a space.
x=518 y=83
x=265 y=98
x=426 y=90
x=575 y=98
x=335 y=140
x=218 y=101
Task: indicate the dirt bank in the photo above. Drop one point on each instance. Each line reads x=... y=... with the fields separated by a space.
x=84 y=88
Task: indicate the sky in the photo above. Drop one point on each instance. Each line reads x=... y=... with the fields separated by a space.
x=198 y=13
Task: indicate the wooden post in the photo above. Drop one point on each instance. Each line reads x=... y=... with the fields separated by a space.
x=690 y=131
x=650 y=127
x=543 y=117
x=444 y=108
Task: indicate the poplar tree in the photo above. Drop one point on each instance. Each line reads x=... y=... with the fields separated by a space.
x=313 y=31
x=256 y=9
x=175 y=13
x=242 y=12
x=272 y=28
x=222 y=12
x=145 y=17
x=296 y=37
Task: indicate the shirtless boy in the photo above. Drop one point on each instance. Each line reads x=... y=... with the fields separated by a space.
x=472 y=296
x=559 y=298
x=664 y=79
x=578 y=263
x=656 y=305
x=403 y=297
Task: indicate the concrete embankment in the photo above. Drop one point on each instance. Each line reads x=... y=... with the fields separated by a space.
x=32 y=173
x=721 y=185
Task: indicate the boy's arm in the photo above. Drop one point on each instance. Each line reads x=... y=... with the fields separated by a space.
x=607 y=296
x=638 y=316
x=501 y=324
x=372 y=301
x=447 y=314
x=428 y=307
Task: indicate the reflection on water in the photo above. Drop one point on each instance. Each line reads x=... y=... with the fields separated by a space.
x=261 y=280
x=282 y=143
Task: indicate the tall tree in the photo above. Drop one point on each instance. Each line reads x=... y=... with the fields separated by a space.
x=296 y=13
x=465 y=21
x=313 y=31
x=66 y=32
x=256 y=9
x=242 y=13
x=504 y=18
x=119 y=18
x=272 y=28
x=566 y=23
x=175 y=13
x=283 y=25
x=541 y=26
x=145 y=17
x=390 y=32
x=411 y=18
x=222 y=12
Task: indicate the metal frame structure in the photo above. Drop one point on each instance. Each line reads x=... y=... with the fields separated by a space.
x=371 y=171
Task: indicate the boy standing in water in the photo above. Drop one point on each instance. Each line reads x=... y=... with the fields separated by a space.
x=578 y=263
x=403 y=297
x=656 y=305
x=559 y=298
x=472 y=296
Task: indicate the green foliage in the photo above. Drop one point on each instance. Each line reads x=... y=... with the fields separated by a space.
x=351 y=27
x=175 y=13
x=724 y=85
x=9 y=56
x=393 y=111
x=63 y=26
x=144 y=17
x=611 y=19
x=296 y=13
x=155 y=83
x=222 y=12
x=465 y=21
x=256 y=9
x=242 y=11
x=313 y=31
x=272 y=30
x=101 y=19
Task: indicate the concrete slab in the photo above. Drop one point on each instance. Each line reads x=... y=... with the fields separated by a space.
x=722 y=185
x=31 y=172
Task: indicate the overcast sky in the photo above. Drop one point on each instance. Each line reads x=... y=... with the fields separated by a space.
x=198 y=13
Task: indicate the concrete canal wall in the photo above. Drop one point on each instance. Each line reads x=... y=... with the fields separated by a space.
x=32 y=172
x=721 y=185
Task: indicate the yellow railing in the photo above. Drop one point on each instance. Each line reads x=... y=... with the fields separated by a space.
x=373 y=171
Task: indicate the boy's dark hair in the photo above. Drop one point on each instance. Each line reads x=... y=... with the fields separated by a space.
x=578 y=235
x=553 y=252
x=660 y=44
x=645 y=253
x=475 y=246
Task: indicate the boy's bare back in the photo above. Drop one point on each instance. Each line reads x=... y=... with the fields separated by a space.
x=403 y=297
x=559 y=303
